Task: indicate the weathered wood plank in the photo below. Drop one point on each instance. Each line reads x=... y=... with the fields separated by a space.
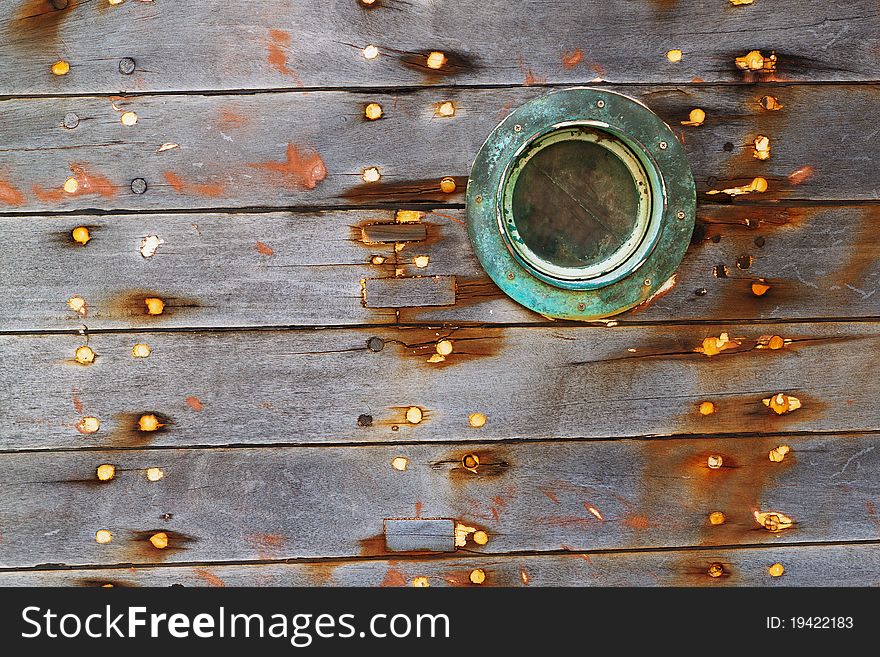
x=257 y=387
x=263 y=44
x=221 y=270
x=409 y=291
x=247 y=504
x=311 y=149
x=825 y=565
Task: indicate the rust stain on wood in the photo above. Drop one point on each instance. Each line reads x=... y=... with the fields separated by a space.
x=278 y=47
x=264 y=249
x=425 y=190
x=229 y=119
x=211 y=190
x=10 y=194
x=209 y=577
x=129 y=305
x=572 y=58
x=127 y=431
x=195 y=403
x=455 y=63
x=303 y=169
x=468 y=344
x=139 y=549
x=41 y=20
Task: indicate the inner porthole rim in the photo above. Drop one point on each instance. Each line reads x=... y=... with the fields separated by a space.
x=655 y=219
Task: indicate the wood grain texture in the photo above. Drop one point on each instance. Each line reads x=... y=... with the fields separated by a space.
x=247 y=504
x=332 y=386
x=280 y=269
x=263 y=44
x=311 y=149
x=826 y=565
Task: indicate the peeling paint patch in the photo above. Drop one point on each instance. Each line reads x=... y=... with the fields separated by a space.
x=713 y=346
x=757 y=185
x=755 y=61
x=777 y=454
x=782 y=403
x=773 y=521
x=150 y=244
x=770 y=103
x=695 y=118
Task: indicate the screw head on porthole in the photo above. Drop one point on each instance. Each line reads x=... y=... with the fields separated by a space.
x=581 y=204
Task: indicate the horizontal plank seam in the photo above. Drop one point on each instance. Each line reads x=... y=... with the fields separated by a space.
x=603 y=324
x=451 y=443
x=443 y=556
x=402 y=89
x=327 y=209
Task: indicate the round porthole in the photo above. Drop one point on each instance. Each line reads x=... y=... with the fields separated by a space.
x=581 y=204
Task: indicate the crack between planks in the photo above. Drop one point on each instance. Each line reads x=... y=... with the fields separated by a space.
x=441 y=556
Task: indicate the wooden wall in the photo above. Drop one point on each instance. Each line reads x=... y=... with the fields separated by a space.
x=293 y=371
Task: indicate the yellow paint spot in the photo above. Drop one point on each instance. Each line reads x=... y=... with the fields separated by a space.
x=445 y=109
x=154 y=306
x=420 y=582
x=167 y=146
x=106 y=472
x=595 y=512
x=713 y=346
x=436 y=60
x=60 y=67
x=478 y=576
x=716 y=570
x=436 y=358
x=781 y=403
x=84 y=355
x=695 y=118
x=154 y=474
x=674 y=55
x=447 y=185
x=88 y=425
x=159 y=540
x=757 y=185
x=715 y=461
x=373 y=111
x=461 y=534
x=759 y=288
x=149 y=423
x=776 y=342
x=481 y=537
x=378 y=260
x=771 y=103
x=776 y=570
x=755 y=61
x=773 y=521
x=716 y=518
x=737 y=3
x=408 y=216
x=777 y=454
x=115 y=2
x=71 y=185
x=470 y=462
x=707 y=408
x=371 y=175
x=370 y=52
x=141 y=350
x=414 y=415
x=476 y=420
x=78 y=305
x=421 y=261
x=762 y=147
x=367 y=2
x=444 y=347
x=128 y=118
x=81 y=235
x=399 y=463
x=103 y=536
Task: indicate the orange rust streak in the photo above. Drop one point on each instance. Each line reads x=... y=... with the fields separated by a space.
x=92 y=183
x=209 y=577
x=230 y=119
x=418 y=509
x=178 y=185
x=48 y=195
x=9 y=194
x=572 y=59
x=551 y=496
x=194 y=403
x=264 y=249
x=393 y=578
x=277 y=57
x=77 y=403
x=801 y=175
x=301 y=170
x=449 y=216
x=636 y=521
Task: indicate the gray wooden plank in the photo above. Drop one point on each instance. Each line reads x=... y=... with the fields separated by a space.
x=816 y=565
x=409 y=291
x=302 y=502
x=311 y=149
x=219 y=270
x=390 y=384
x=261 y=44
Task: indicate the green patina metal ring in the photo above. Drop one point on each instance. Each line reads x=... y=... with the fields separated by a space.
x=581 y=204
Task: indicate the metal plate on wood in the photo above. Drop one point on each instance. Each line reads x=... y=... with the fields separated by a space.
x=581 y=204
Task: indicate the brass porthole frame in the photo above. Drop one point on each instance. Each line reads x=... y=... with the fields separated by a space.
x=645 y=268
